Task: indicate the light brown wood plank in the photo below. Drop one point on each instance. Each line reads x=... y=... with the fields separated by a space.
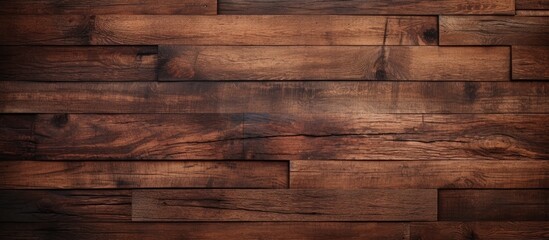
x=333 y=63
x=45 y=30
x=494 y=205
x=264 y=30
x=530 y=63
x=493 y=30
x=284 y=205
x=532 y=4
x=479 y=230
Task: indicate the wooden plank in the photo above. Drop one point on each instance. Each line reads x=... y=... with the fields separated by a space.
x=532 y=4
x=496 y=205
x=333 y=63
x=142 y=174
x=79 y=63
x=418 y=174
x=45 y=30
x=275 y=97
x=65 y=206
x=532 y=13
x=375 y=7
x=208 y=231
x=479 y=230
x=493 y=30
x=17 y=136
x=98 y=7
x=264 y=30
x=530 y=63
x=284 y=205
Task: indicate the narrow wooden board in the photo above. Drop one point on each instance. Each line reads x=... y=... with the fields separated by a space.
x=494 y=205
x=142 y=174
x=532 y=4
x=275 y=97
x=284 y=205
x=479 y=230
x=530 y=63
x=334 y=63
x=122 y=63
x=264 y=30
x=532 y=13
x=45 y=29
x=65 y=206
x=98 y=7
x=375 y=7
x=493 y=30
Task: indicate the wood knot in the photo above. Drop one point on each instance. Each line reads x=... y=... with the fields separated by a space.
x=430 y=35
x=180 y=68
x=381 y=74
x=496 y=143
x=60 y=120
x=470 y=91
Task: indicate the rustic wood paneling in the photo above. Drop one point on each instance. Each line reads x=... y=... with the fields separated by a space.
x=479 y=230
x=532 y=4
x=45 y=30
x=530 y=63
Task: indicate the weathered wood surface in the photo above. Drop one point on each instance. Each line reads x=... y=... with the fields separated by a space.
x=479 y=230
x=532 y=4
x=530 y=63
x=45 y=29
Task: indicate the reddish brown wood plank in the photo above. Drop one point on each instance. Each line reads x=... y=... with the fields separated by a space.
x=376 y=7
x=58 y=63
x=480 y=230
x=333 y=63
x=530 y=63
x=497 y=205
x=45 y=30
x=532 y=4
x=493 y=30
x=284 y=205
x=264 y=30
x=17 y=136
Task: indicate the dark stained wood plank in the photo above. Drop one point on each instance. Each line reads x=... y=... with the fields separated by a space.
x=530 y=63
x=284 y=205
x=479 y=230
x=493 y=30
x=45 y=30
x=418 y=174
x=533 y=13
x=264 y=30
x=333 y=63
x=275 y=97
x=532 y=4
x=65 y=205
x=403 y=7
x=97 y=7
x=208 y=231
x=496 y=205
x=58 y=63
x=142 y=174
x=17 y=136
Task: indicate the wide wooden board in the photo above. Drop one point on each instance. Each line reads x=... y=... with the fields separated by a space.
x=530 y=63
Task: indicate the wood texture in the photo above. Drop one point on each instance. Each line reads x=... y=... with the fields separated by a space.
x=79 y=63
x=97 y=7
x=496 y=205
x=333 y=63
x=284 y=205
x=532 y=13
x=275 y=97
x=45 y=30
x=405 y=7
x=532 y=4
x=530 y=63
x=264 y=30
x=493 y=30
x=142 y=174
x=480 y=230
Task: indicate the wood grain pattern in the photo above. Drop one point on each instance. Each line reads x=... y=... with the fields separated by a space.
x=333 y=63
x=532 y=13
x=65 y=205
x=97 y=7
x=45 y=30
x=264 y=30
x=532 y=4
x=494 y=205
x=284 y=205
x=404 y=7
x=142 y=174
x=79 y=63
x=275 y=97
x=530 y=63
x=480 y=230
x=17 y=136
x=493 y=30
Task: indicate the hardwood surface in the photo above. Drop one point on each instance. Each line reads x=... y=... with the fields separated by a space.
x=530 y=63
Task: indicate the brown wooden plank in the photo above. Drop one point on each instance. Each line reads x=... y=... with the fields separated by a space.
x=493 y=30
x=17 y=136
x=65 y=205
x=479 y=230
x=532 y=4
x=497 y=205
x=208 y=231
x=264 y=30
x=45 y=30
x=97 y=7
x=79 y=63
x=532 y=13
x=403 y=7
x=530 y=63
x=284 y=205
x=333 y=63
x=418 y=174
x=275 y=97
x=142 y=174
